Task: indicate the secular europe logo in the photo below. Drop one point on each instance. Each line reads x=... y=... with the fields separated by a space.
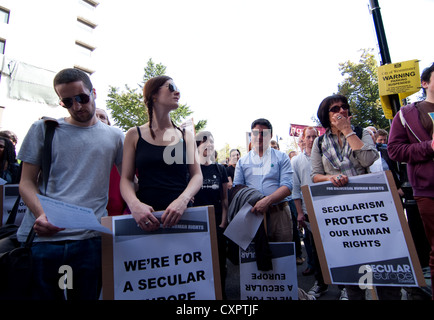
x=383 y=273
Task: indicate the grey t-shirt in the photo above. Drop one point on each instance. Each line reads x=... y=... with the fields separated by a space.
x=82 y=158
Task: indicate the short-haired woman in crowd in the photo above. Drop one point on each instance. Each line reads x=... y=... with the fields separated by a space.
x=344 y=151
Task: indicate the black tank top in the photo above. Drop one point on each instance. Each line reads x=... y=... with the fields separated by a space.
x=162 y=172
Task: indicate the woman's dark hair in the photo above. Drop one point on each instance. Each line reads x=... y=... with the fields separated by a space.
x=9 y=153
x=9 y=135
x=149 y=90
x=323 y=110
x=9 y=158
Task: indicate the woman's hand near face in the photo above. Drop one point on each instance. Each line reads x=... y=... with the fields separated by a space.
x=342 y=123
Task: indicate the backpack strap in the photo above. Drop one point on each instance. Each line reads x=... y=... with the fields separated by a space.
x=50 y=126
x=13 y=214
x=405 y=108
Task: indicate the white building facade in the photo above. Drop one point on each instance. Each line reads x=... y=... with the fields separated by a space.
x=38 y=38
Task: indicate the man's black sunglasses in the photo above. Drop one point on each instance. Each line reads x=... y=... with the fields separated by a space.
x=81 y=98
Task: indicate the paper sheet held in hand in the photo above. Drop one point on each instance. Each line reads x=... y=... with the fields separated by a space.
x=65 y=215
x=244 y=226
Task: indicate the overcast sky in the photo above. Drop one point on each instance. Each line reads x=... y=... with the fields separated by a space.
x=238 y=60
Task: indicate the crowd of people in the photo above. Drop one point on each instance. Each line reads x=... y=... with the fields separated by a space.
x=159 y=166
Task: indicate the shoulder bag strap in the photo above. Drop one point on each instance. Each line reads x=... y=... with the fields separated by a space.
x=13 y=214
x=46 y=155
x=50 y=126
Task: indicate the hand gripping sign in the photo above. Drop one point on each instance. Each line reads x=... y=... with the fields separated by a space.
x=176 y=263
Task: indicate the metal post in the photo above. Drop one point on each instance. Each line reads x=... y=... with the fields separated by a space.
x=384 y=49
x=408 y=200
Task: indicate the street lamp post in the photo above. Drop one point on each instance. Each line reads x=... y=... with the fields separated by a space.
x=384 y=49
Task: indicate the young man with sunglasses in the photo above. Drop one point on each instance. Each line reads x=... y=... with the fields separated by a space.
x=83 y=153
x=269 y=171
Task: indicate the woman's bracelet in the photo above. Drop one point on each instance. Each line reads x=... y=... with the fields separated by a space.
x=350 y=134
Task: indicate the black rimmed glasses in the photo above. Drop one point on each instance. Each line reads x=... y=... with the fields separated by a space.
x=337 y=108
x=81 y=98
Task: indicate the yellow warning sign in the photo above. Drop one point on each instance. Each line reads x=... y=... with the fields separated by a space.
x=401 y=78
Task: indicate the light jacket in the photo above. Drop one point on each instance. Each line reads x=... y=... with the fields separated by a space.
x=409 y=142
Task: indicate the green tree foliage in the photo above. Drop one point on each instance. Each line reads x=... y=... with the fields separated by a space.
x=360 y=86
x=128 y=109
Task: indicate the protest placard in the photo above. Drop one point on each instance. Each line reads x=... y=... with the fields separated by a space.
x=9 y=194
x=174 y=263
x=361 y=233
x=280 y=283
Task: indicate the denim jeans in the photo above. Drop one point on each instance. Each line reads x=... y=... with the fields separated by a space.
x=84 y=259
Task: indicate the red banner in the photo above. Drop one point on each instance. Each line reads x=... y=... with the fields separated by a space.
x=296 y=130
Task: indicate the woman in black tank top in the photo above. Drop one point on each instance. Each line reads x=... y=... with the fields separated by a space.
x=156 y=177
x=163 y=158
